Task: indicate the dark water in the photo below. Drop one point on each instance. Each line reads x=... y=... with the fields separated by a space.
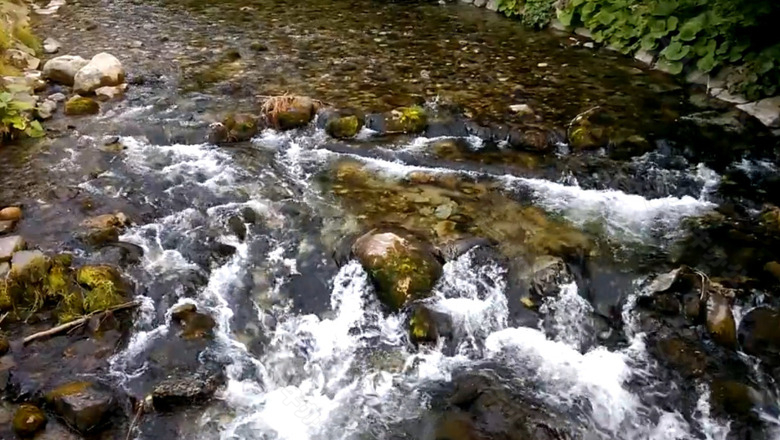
x=307 y=350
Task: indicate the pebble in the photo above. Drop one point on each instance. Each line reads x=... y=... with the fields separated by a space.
x=589 y=45
x=57 y=97
x=50 y=45
x=12 y=213
x=542 y=65
x=522 y=109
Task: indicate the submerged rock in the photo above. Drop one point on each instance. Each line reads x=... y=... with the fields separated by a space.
x=548 y=275
x=45 y=110
x=289 y=111
x=759 y=334
x=728 y=397
x=102 y=70
x=84 y=406
x=28 y=420
x=422 y=326
x=79 y=105
x=682 y=355
x=108 y=93
x=409 y=120
x=401 y=266
x=63 y=69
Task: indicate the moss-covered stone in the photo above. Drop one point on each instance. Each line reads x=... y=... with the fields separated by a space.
x=343 y=127
x=240 y=127
x=83 y=405
x=289 y=111
x=28 y=420
x=194 y=325
x=402 y=267
x=79 y=105
x=422 y=327
x=728 y=397
x=407 y=120
x=106 y=287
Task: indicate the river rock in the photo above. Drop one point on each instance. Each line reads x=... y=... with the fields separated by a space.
x=548 y=275
x=185 y=389
x=410 y=120
x=9 y=245
x=6 y=226
x=79 y=105
x=289 y=111
x=239 y=127
x=21 y=60
x=12 y=213
x=759 y=334
x=766 y=110
x=422 y=326
x=340 y=124
x=108 y=93
x=28 y=420
x=116 y=220
x=401 y=266
x=720 y=319
x=195 y=325
x=57 y=97
x=102 y=229
x=682 y=355
x=29 y=266
x=84 y=406
x=45 y=110
x=63 y=69
x=51 y=46
x=589 y=130
x=102 y=70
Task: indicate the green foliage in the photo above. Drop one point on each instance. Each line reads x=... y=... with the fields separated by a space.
x=15 y=117
x=705 y=34
x=26 y=37
x=535 y=13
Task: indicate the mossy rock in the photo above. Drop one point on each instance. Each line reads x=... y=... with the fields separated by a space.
x=28 y=420
x=289 y=111
x=728 y=397
x=85 y=406
x=24 y=286
x=407 y=120
x=79 y=105
x=590 y=130
x=422 y=327
x=240 y=127
x=195 y=325
x=401 y=266
x=343 y=126
x=106 y=287
x=288 y=120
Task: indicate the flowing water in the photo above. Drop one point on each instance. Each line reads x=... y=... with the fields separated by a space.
x=308 y=350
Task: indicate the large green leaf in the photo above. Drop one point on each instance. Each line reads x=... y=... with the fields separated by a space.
x=676 y=51
x=671 y=23
x=665 y=8
x=673 y=67
x=707 y=63
x=691 y=27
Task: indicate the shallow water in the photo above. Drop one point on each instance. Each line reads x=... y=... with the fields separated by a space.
x=309 y=352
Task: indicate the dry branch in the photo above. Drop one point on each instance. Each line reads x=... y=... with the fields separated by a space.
x=77 y=322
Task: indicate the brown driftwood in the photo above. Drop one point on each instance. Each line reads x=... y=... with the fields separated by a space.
x=77 y=322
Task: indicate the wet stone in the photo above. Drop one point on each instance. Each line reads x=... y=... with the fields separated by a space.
x=84 y=406
x=28 y=420
x=6 y=226
x=184 y=389
x=11 y=213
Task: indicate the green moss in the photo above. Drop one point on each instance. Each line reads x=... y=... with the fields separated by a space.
x=70 y=307
x=422 y=329
x=106 y=288
x=28 y=420
x=5 y=296
x=66 y=390
x=403 y=277
x=79 y=105
x=343 y=127
x=288 y=120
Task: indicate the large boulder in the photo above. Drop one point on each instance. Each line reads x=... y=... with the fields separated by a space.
x=84 y=406
x=402 y=267
x=102 y=70
x=63 y=69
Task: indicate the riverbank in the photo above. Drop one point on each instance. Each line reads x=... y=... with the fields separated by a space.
x=734 y=77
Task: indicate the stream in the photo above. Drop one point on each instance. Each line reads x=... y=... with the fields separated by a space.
x=254 y=232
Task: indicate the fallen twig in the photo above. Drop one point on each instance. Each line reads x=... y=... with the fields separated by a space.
x=77 y=322
x=135 y=421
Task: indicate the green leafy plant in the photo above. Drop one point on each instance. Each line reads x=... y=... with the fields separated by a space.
x=686 y=34
x=15 y=117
